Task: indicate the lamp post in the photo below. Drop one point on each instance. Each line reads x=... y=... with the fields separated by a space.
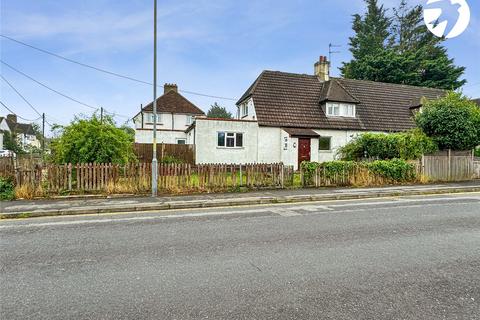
x=154 y=158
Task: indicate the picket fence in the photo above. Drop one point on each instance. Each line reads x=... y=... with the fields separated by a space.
x=136 y=178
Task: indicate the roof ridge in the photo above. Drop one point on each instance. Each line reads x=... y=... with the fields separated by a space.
x=389 y=83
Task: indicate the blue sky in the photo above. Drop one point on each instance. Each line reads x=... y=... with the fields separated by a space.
x=212 y=47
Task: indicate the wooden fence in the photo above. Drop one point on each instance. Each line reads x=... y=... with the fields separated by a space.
x=136 y=178
x=449 y=166
x=476 y=169
x=183 y=152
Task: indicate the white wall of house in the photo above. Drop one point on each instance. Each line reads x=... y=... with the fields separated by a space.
x=206 y=142
x=246 y=111
x=170 y=127
x=1 y=140
x=170 y=137
x=4 y=126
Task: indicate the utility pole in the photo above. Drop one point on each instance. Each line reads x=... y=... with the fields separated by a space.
x=101 y=115
x=154 y=157
x=43 y=135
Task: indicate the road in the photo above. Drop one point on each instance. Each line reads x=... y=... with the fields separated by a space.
x=395 y=258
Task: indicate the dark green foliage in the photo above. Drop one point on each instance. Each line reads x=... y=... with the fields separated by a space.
x=7 y=189
x=409 y=145
x=400 y=49
x=395 y=170
x=219 y=112
x=89 y=140
x=477 y=152
x=453 y=122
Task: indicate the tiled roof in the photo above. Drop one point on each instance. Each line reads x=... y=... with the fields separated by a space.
x=173 y=102
x=19 y=128
x=294 y=100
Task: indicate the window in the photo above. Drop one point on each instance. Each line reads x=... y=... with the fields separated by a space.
x=230 y=140
x=340 y=110
x=244 y=109
x=324 y=144
x=181 y=141
x=150 y=117
x=190 y=120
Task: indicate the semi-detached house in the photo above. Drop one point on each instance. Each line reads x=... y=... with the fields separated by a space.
x=290 y=118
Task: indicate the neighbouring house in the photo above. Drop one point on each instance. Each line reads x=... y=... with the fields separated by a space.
x=290 y=118
x=24 y=132
x=1 y=140
x=477 y=101
x=174 y=115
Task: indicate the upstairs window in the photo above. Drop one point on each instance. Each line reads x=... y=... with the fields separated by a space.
x=340 y=110
x=244 y=110
x=190 y=120
x=230 y=139
x=150 y=117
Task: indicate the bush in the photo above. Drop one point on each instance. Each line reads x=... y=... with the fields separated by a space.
x=453 y=122
x=409 y=145
x=7 y=189
x=360 y=173
x=396 y=170
x=477 y=152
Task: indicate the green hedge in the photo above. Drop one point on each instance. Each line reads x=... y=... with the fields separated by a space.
x=7 y=189
x=409 y=145
x=395 y=170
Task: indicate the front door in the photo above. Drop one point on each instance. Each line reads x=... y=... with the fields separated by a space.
x=303 y=150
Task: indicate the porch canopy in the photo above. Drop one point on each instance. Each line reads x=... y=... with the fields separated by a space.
x=301 y=132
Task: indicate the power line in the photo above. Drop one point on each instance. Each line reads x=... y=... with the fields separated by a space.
x=58 y=92
x=13 y=112
x=49 y=88
x=107 y=71
x=21 y=96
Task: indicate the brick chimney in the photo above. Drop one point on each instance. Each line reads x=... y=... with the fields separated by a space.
x=12 y=118
x=170 y=87
x=322 y=69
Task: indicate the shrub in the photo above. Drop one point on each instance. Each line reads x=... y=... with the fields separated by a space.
x=7 y=189
x=409 y=145
x=396 y=170
x=453 y=122
x=360 y=173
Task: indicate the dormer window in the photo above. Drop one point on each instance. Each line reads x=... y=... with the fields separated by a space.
x=244 y=110
x=336 y=109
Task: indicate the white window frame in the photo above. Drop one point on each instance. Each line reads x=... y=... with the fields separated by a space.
x=228 y=134
x=335 y=109
x=149 y=118
x=190 y=119
x=244 y=110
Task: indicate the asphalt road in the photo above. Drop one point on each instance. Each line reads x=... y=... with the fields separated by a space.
x=402 y=258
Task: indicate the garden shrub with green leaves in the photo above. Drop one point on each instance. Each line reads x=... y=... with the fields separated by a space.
x=409 y=145
x=453 y=122
x=7 y=189
x=171 y=160
x=392 y=171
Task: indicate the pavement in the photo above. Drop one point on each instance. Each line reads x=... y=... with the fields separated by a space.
x=53 y=207
x=409 y=257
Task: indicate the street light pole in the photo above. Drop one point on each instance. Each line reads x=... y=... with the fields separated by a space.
x=154 y=158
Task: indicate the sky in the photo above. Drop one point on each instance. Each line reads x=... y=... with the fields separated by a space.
x=216 y=48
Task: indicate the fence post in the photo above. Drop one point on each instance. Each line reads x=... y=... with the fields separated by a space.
x=241 y=176
x=449 y=176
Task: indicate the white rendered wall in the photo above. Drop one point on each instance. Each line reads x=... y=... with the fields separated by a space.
x=146 y=136
x=206 y=137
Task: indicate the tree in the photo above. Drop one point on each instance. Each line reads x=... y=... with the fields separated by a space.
x=453 y=122
x=10 y=143
x=217 y=111
x=87 y=140
x=371 y=36
x=410 y=54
